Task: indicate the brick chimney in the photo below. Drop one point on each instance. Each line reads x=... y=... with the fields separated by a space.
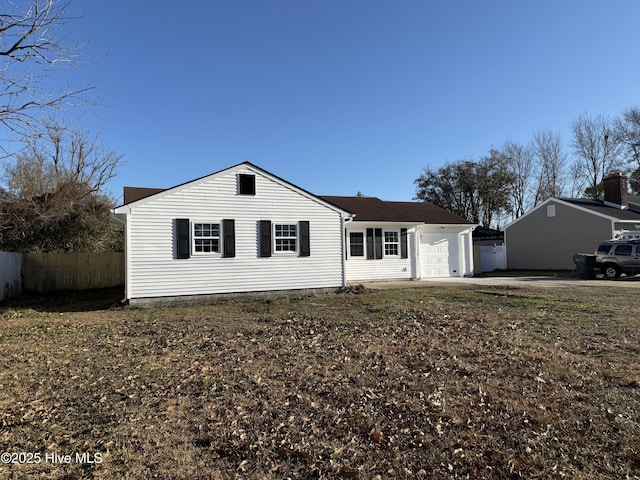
x=616 y=191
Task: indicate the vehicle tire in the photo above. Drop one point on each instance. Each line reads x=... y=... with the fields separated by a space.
x=611 y=271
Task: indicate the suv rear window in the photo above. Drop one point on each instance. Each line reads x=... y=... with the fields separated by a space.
x=604 y=248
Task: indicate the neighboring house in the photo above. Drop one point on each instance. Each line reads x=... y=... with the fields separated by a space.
x=403 y=240
x=550 y=234
x=244 y=229
x=241 y=229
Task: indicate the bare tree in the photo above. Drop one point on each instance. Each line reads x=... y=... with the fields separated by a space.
x=32 y=48
x=55 y=199
x=627 y=132
x=60 y=154
x=551 y=163
x=597 y=152
x=521 y=165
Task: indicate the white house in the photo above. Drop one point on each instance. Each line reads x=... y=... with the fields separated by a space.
x=404 y=240
x=241 y=229
x=244 y=229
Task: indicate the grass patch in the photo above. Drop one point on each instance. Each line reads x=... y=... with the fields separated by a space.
x=434 y=382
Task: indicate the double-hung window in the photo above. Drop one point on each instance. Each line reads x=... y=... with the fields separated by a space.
x=286 y=237
x=356 y=244
x=206 y=237
x=391 y=242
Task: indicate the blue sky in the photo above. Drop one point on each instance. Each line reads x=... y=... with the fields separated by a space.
x=344 y=96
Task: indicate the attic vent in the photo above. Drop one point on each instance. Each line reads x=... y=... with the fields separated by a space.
x=551 y=210
x=246 y=184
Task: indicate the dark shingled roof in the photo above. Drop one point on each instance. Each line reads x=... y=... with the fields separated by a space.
x=365 y=208
x=600 y=207
x=132 y=194
x=372 y=209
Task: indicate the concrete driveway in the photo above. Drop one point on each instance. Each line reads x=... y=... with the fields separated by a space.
x=510 y=281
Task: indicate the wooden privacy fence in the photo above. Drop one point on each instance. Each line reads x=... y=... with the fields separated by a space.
x=44 y=272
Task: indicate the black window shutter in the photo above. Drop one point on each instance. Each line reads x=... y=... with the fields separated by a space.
x=182 y=238
x=404 y=252
x=229 y=232
x=305 y=247
x=265 y=238
x=378 y=239
x=370 y=251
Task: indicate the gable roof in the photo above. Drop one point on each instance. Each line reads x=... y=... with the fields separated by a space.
x=372 y=209
x=595 y=207
x=136 y=194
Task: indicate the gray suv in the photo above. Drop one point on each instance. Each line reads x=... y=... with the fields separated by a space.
x=618 y=256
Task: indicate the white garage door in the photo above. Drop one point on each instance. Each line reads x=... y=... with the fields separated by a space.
x=439 y=255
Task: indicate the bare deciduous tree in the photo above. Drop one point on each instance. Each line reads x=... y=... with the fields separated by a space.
x=597 y=152
x=521 y=165
x=55 y=199
x=60 y=154
x=33 y=47
x=627 y=132
x=551 y=162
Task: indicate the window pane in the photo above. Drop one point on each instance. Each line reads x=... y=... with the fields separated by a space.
x=285 y=245
x=391 y=243
x=356 y=244
x=390 y=249
x=623 y=250
x=285 y=230
x=206 y=237
x=206 y=245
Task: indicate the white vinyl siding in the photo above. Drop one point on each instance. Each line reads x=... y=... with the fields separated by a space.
x=154 y=270
x=390 y=267
x=442 y=253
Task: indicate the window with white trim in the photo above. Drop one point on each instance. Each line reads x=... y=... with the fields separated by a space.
x=286 y=237
x=206 y=238
x=356 y=244
x=391 y=242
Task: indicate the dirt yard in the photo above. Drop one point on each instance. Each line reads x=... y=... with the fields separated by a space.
x=457 y=381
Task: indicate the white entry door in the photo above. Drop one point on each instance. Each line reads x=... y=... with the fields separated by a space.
x=439 y=255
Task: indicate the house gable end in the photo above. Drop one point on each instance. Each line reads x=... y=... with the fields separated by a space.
x=140 y=196
x=566 y=203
